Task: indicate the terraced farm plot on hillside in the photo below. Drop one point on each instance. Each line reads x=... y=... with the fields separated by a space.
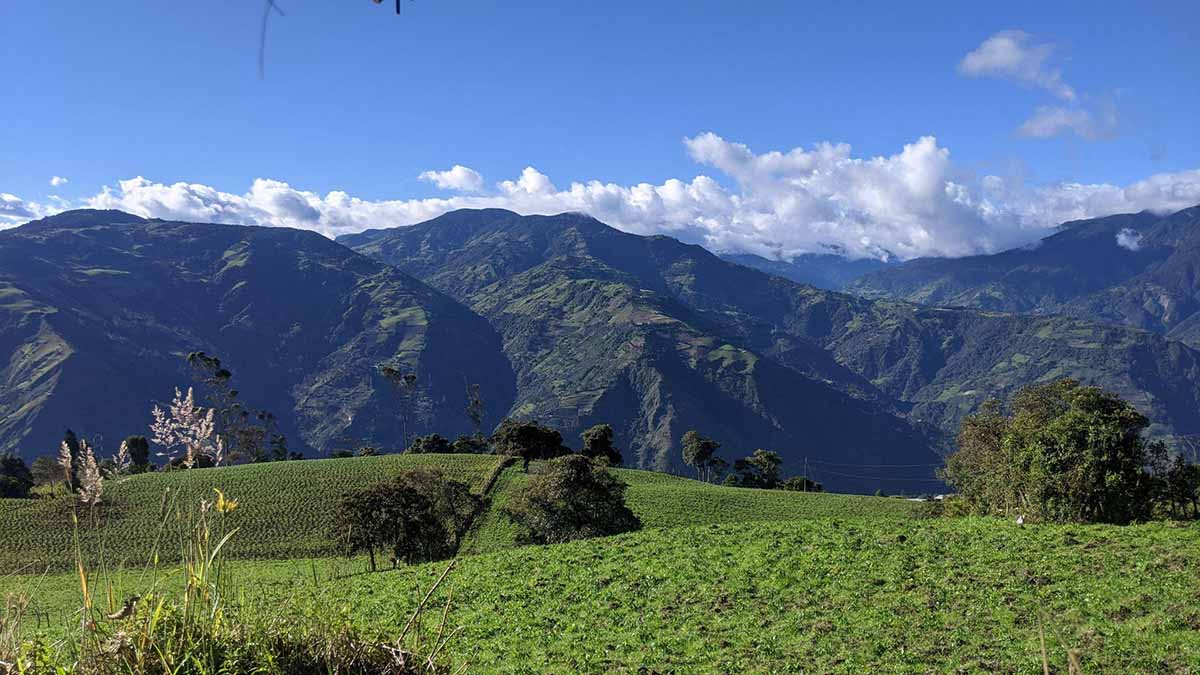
x=284 y=510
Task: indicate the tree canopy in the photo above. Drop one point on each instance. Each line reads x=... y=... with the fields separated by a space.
x=1065 y=452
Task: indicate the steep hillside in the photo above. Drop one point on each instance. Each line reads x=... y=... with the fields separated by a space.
x=99 y=309
x=1140 y=270
x=598 y=331
x=931 y=365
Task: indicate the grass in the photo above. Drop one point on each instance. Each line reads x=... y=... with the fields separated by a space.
x=286 y=508
x=663 y=500
x=729 y=580
x=826 y=595
x=821 y=596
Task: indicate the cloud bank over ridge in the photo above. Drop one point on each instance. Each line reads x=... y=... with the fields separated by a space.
x=915 y=202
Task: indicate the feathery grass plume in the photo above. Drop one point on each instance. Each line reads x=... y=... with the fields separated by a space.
x=91 y=484
x=122 y=461
x=67 y=462
x=187 y=427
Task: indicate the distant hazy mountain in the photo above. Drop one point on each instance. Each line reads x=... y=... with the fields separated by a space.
x=1140 y=270
x=823 y=270
x=662 y=336
x=99 y=308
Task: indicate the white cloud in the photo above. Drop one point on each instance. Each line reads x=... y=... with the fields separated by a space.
x=915 y=202
x=56 y=181
x=1130 y=239
x=1050 y=121
x=459 y=178
x=1017 y=55
x=14 y=210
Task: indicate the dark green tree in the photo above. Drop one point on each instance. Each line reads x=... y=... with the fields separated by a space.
x=1067 y=452
x=700 y=453
x=1181 y=487
x=573 y=498
x=470 y=445
x=433 y=443
x=69 y=460
x=418 y=516
x=15 y=478
x=46 y=471
x=527 y=440
x=139 y=454
x=598 y=444
x=759 y=470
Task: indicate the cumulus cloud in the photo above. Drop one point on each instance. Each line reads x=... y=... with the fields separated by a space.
x=1051 y=121
x=56 y=181
x=458 y=177
x=1130 y=239
x=14 y=210
x=915 y=202
x=1017 y=55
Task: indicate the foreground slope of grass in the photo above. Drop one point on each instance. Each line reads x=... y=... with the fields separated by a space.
x=285 y=509
x=818 y=596
x=826 y=595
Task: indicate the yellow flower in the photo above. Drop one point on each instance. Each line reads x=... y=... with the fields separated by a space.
x=225 y=504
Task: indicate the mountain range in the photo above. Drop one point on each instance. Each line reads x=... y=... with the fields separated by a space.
x=1140 y=270
x=98 y=310
x=559 y=318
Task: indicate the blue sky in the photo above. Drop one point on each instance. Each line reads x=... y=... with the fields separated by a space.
x=357 y=103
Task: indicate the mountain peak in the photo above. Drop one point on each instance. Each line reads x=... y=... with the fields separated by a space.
x=85 y=218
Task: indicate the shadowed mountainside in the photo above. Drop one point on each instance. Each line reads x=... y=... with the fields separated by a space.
x=99 y=309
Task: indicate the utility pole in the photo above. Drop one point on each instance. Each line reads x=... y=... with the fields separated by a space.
x=806 y=473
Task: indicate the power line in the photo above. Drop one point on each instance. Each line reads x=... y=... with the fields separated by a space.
x=876 y=466
x=850 y=475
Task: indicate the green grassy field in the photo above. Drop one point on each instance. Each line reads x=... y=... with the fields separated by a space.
x=663 y=500
x=721 y=580
x=826 y=595
x=285 y=510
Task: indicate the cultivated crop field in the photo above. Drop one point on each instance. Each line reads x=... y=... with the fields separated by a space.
x=285 y=510
x=721 y=580
x=662 y=500
x=830 y=595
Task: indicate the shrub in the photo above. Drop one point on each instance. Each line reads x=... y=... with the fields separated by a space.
x=15 y=478
x=572 y=498
x=1067 y=452
x=470 y=445
x=418 y=516
x=760 y=470
x=806 y=484
x=433 y=443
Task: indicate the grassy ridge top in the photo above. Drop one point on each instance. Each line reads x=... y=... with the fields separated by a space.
x=286 y=507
